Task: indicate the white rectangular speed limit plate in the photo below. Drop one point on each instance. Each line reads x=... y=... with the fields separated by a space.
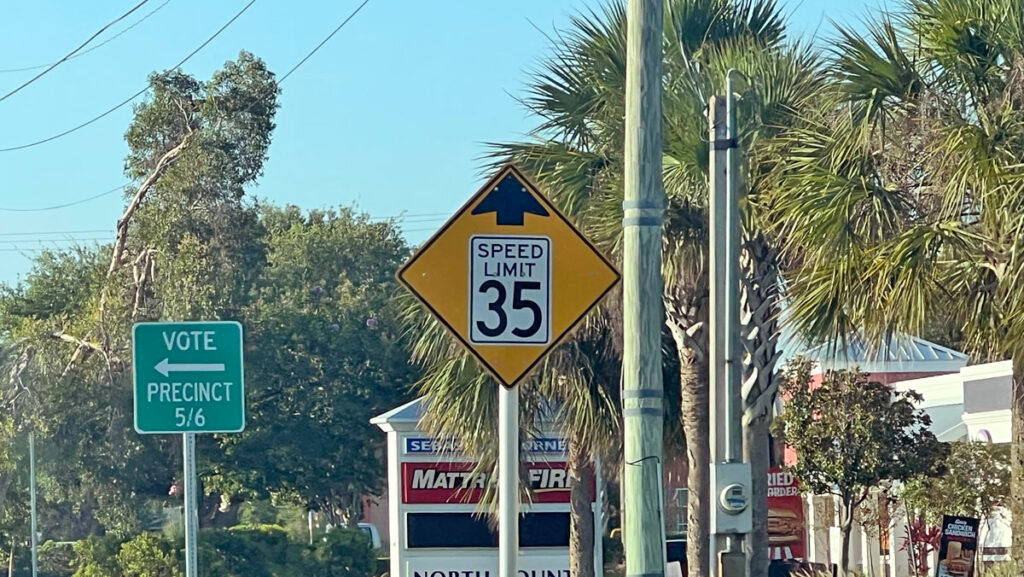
x=510 y=291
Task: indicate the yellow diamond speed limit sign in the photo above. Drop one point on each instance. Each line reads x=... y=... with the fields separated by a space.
x=509 y=275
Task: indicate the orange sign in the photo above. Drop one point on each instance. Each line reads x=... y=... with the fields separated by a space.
x=509 y=275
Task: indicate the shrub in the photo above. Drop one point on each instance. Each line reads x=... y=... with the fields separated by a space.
x=56 y=559
x=340 y=553
x=97 y=557
x=244 y=551
x=148 y=556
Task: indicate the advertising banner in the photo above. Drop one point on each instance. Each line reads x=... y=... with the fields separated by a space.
x=958 y=547
x=787 y=530
x=453 y=483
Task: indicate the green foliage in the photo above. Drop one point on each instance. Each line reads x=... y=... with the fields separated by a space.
x=148 y=556
x=244 y=550
x=258 y=512
x=97 y=557
x=56 y=559
x=13 y=493
x=880 y=437
x=325 y=354
x=341 y=553
x=853 y=436
x=975 y=483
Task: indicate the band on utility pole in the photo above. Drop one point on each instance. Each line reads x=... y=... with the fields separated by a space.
x=642 y=213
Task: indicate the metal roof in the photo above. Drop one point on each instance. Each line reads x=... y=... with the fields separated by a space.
x=411 y=413
x=900 y=354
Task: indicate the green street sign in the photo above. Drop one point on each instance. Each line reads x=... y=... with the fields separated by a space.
x=188 y=377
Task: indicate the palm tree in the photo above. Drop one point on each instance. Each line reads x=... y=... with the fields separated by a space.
x=576 y=152
x=905 y=192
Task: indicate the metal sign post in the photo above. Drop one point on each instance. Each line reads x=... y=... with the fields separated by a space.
x=191 y=505
x=508 y=481
x=32 y=500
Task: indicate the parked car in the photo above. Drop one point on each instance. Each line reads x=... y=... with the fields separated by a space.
x=371 y=532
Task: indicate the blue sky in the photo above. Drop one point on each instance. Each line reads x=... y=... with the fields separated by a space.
x=390 y=115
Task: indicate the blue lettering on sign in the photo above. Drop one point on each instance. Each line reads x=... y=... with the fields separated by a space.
x=547 y=445
x=428 y=446
x=454 y=573
x=544 y=573
x=486 y=573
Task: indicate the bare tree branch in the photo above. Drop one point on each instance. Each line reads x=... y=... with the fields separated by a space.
x=83 y=347
x=122 y=223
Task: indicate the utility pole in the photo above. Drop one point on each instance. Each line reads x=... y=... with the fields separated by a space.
x=730 y=478
x=643 y=308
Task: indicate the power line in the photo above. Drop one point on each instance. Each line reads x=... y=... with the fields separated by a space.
x=54 y=244
x=67 y=204
x=38 y=249
x=324 y=41
x=49 y=232
x=134 y=96
x=73 y=52
x=91 y=48
x=412 y=217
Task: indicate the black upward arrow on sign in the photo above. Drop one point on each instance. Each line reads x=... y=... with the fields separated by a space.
x=510 y=201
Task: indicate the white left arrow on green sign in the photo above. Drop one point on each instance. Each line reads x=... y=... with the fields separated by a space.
x=165 y=367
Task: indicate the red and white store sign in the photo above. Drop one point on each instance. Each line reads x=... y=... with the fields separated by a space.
x=454 y=483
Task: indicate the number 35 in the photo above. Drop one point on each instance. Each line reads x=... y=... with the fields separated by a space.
x=519 y=302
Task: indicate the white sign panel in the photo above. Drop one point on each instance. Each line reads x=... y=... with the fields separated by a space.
x=510 y=290
x=432 y=446
x=458 y=564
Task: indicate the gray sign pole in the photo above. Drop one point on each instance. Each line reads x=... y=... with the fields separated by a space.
x=191 y=505
x=508 y=481
x=32 y=499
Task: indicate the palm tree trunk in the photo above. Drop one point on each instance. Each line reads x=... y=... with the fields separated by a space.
x=759 y=303
x=687 y=317
x=755 y=451
x=696 y=427
x=581 y=514
x=1017 y=454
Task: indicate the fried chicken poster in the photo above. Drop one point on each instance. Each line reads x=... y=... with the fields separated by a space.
x=958 y=547
x=786 y=526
